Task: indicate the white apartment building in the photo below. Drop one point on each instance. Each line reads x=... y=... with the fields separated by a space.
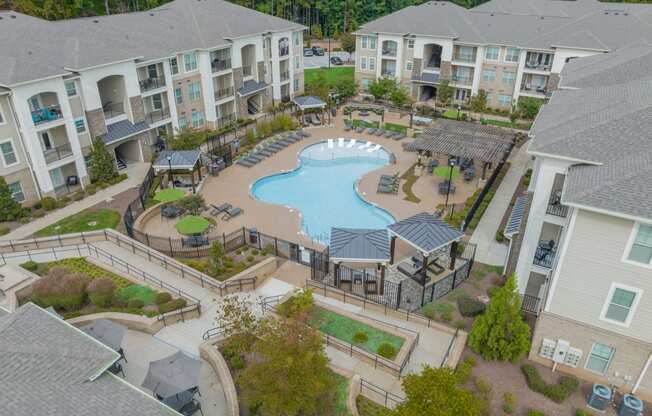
x=130 y=79
x=508 y=48
x=585 y=256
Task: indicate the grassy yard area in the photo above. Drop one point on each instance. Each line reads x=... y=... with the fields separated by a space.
x=367 y=407
x=89 y=220
x=505 y=123
x=395 y=127
x=341 y=396
x=332 y=75
x=410 y=179
x=345 y=328
x=452 y=114
x=364 y=123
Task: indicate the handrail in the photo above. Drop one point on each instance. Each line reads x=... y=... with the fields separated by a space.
x=450 y=348
x=388 y=395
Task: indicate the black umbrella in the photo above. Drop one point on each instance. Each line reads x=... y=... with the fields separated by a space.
x=107 y=332
x=171 y=375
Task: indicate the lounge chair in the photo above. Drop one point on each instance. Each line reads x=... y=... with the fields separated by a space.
x=389 y=134
x=351 y=144
x=260 y=154
x=278 y=146
x=267 y=152
x=294 y=136
x=285 y=141
x=231 y=213
x=217 y=209
x=400 y=136
x=371 y=130
x=380 y=132
x=303 y=133
x=359 y=130
x=245 y=163
x=387 y=188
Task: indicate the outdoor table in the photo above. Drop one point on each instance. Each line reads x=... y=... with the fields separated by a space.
x=178 y=401
x=171 y=211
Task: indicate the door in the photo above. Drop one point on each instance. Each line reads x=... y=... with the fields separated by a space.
x=34 y=103
x=46 y=141
x=56 y=175
x=151 y=71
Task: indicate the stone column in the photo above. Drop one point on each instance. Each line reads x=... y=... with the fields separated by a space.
x=96 y=123
x=137 y=109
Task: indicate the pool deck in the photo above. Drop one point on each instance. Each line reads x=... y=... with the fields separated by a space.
x=234 y=183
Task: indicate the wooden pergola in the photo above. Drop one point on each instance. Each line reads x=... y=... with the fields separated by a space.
x=308 y=102
x=180 y=162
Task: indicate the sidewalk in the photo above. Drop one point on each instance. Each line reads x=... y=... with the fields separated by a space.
x=136 y=173
x=489 y=251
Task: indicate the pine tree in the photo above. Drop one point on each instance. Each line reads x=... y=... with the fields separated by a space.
x=500 y=333
x=103 y=167
x=9 y=209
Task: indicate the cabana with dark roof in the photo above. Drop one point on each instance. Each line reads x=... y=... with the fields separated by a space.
x=487 y=144
x=354 y=245
x=308 y=103
x=429 y=235
x=180 y=162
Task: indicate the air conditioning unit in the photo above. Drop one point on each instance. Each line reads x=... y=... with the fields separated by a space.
x=599 y=397
x=630 y=406
x=547 y=348
x=561 y=351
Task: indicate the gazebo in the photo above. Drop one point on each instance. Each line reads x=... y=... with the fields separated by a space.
x=308 y=102
x=180 y=162
x=430 y=236
x=355 y=245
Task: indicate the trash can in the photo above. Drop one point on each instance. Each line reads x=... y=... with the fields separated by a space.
x=253 y=236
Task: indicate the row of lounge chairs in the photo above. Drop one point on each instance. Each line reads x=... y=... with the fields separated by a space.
x=311 y=118
x=268 y=149
x=388 y=184
x=378 y=132
x=227 y=211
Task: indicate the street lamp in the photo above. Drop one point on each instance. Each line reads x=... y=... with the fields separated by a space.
x=451 y=165
x=169 y=158
x=459 y=107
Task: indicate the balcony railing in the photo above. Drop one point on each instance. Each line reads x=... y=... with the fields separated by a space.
x=461 y=80
x=149 y=84
x=113 y=109
x=66 y=189
x=247 y=71
x=46 y=114
x=530 y=304
x=157 y=115
x=464 y=57
x=285 y=76
x=388 y=74
x=544 y=257
x=391 y=52
x=285 y=99
x=57 y=153
x=538 y=66
x=285 y=51
x=220 y=65
x=555 y=206
x=225 y=120
x=539 y=89
x=223 y=93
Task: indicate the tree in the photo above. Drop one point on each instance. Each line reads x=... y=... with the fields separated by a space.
x=381 y=88
x=215 y=258
x=235 y=315
x=528 y=107
x=437 y=392
x=500 y=333
x=191 y=204
x=346 y=87
x=318 y=86
x=103 y=167
x=186 y=140
x=479 y=102
x=10 y=210
x=399 y=96
x=445 y=92
x=348 y=43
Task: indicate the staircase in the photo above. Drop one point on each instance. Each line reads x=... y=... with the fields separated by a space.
x=252 y=108
x=120 y=163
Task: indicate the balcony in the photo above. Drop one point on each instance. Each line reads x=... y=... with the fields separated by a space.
x=388 y=74
x=390 y=52
x=530 y=304
x=149 y=84
x=223 y=93
x=46 y=114
x=154 y=116
x=533 y=89
x=538 y=61
x=218 y=65
x=57 y=153
x=555 y=206
x=544 y=255
x=112 y=109
x=464 y=80
x=286 y=99
x=247 y=71
x=225 y=120
x=285 y=76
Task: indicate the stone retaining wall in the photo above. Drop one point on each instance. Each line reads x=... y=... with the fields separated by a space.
x=209 y=352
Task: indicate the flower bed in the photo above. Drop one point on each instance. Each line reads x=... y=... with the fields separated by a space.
x=233 y=263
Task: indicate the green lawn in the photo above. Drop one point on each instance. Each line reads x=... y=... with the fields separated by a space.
x=144 y=293
x=192 y=225
x=445 y=172
x=81 y=266
x=410 y=180
x=90 y=220
x=342 y=395
x=452 y=114
x=505 y=123
x=395 y=127
x=332 y=75
x=169 y=195
x=344 y=328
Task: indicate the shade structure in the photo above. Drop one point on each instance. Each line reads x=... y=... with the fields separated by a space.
x=107 y=332
x=173 y=374
x=307 y=102
x=425 y=232
x=178 y=160
x=359 y=245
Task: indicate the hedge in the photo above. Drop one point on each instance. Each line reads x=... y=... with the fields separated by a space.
x=559 y=392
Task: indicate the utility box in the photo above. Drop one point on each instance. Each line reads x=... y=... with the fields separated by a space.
x=560 y=351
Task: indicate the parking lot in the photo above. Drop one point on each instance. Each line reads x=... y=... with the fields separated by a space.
x=319 y=61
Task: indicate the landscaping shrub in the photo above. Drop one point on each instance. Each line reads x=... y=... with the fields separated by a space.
x=60 y=289
x=91 y=189
x=251 y=259
x=464 y=369
x=4 y=230
x=484 y=388
x=438 y=311
x=500 y=237
x=38 y=213
x=367 y=407
x=582 y=412
x=48 y=203
x=509 y=402
x=254 y=252
x=386 y=350
x=460 y=324
x=100 y=291
x=172 y=305
x=163 y=297
x=534 y=412
x=78 y=196
x=470 y=307
x=135 y=304
x=32 y=266
x=559 y=392
x=10 y=209
x=360 y=337
x=23 y=220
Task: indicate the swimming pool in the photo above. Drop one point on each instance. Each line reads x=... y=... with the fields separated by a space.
x=323 y=187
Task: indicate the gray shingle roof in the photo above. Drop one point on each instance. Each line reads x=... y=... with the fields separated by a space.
x=46 y=367
x=34 y=48
x=426 y=232
x=179 y=159
x=524 y=23
x=250 y=86
x=515 y=217
x=309 y=101
x=122 y=130
x=359 y=244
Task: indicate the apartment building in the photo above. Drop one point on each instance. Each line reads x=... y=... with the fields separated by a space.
x=508 y=48
x=130 y=80
x=585 y=256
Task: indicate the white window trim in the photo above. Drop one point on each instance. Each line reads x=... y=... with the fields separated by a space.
x=363 y=59
x=372 y=59
x=13 y=146
x=518 y=55
x=408 y=43
x=632 y=309
x=22 y=191
x=588 y=357
x=490 y=59
x=66 y=88
x=84 y=121
x=184 y=62
x=630 y=244
x=3 y=119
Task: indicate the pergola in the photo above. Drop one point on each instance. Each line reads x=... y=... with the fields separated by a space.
x=180 y=162
x=428 y=234
x=355 y=245
x=488 y=144
x=308 y=102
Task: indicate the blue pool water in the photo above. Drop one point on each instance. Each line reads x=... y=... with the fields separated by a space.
x=322 y=188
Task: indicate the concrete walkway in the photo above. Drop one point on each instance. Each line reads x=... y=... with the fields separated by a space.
x=136 y=173
x=489 y=251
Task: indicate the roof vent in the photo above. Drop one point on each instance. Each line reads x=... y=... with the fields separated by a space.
x=96 y=21
x=151 y=14
x=13 y=16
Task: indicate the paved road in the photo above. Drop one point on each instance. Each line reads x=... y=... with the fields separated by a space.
x=319 y=61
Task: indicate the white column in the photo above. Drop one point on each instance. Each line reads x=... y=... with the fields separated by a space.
x=519 y=76
x=477 y=70
x=208 y=92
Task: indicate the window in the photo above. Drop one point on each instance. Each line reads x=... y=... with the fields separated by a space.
x=194 y=91
x=174 y=66
x=80 y=125
x=157 y=102
x=363 y=63
x=460 y=94
x=296 y=36
x=620 y=305
x=489 y=74
x=492 y=53
x=512 y=54
x=197 y=119
x=364 y=42
x=183 y=123
x=190 y=62
x=599 y=358
x=365 y=84
x=178 y=96
x=8 y=153
x=410 y=43
x=16 y=191
x=372 y=64
x=509 y=77
x=296 y=85
x=641 y=250
x=71 y=89
x=372 y=43
x=2 y=117
x=408 y=66
x=505 y=100
x=297 y=62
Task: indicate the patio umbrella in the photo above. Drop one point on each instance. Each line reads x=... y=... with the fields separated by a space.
x=171 y=375
x=107 y=332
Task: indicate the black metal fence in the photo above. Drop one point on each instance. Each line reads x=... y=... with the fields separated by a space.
x=444 y=286
x=379 y=395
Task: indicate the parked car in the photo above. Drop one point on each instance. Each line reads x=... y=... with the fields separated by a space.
x=336 y=60
x=317 y=51
x=307 y=52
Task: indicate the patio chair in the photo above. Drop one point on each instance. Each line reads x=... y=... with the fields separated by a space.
x=245 y=163
x=380 y=132
x=232 y=213
x=400 y=136
x=387 y=188
x=446 y=187
x=359 y=130
x=389 y=134
x=469 y=174
x=371 y=130
x=303 y=133
x=217 y=209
